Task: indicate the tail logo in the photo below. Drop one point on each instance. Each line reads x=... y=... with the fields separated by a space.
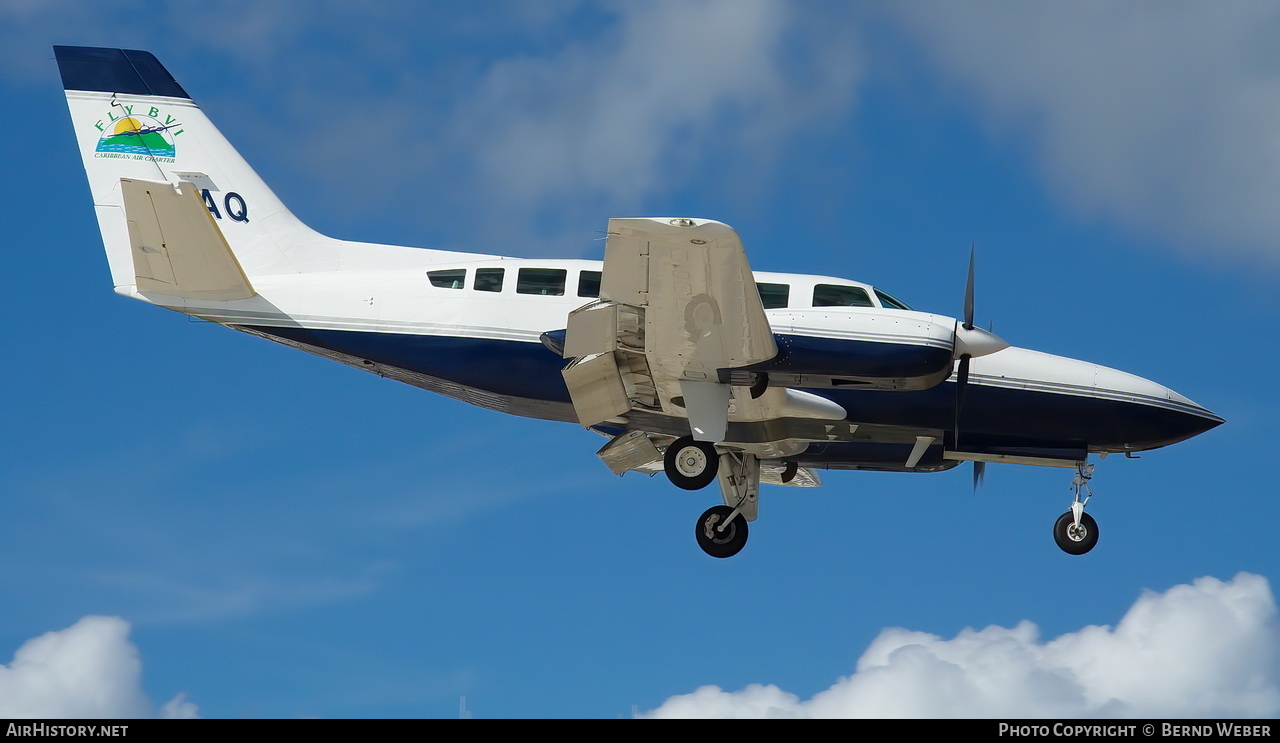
x=141 y=136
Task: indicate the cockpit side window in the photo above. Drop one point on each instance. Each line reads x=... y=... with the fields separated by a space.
x=452 y=278
x=774 y=296
x=889 y=301
x=545 y=281
x=834 y=295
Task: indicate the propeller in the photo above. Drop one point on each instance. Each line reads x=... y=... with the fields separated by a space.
x=970 y=341
x=962 y=372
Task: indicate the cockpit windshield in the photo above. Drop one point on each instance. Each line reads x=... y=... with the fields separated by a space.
x=888 y=301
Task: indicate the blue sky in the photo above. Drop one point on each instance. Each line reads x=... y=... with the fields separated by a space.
x=282 y=536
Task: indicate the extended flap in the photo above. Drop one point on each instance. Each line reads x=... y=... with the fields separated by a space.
x=595 y=387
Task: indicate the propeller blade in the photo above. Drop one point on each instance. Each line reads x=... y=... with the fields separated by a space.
x=962 y=373
x=962 y=380
x=967 y=338
x=968 y=294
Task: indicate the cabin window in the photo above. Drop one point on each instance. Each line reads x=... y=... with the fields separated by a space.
x=545 y=281
x=834 y=295
x=589 y=284
x=453 y=278
x=774 y=296
x=488 y=280
x=889 y=301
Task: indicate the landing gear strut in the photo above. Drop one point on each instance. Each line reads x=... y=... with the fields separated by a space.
x=1075 y=531
x=690 y=464
x=722 y=530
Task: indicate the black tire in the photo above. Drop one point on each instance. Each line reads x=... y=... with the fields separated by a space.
x=1075 y=544
x=725 y=543
x=690 y=464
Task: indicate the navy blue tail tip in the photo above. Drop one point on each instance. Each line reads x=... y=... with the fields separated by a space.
x=115 y=71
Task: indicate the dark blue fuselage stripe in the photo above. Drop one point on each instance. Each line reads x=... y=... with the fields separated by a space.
x=992 y=416
x=514 y=368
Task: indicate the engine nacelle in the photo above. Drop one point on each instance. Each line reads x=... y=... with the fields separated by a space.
x=885 y=349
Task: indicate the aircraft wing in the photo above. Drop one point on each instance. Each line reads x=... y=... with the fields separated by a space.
x=678 y=307
x=702 y=309
x=690 y=281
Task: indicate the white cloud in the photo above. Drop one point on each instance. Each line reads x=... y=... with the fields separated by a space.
x=648 y=103
x=1163 y=116
x=179 y=708
x=1209 y=649
x=601 y=115
x=90 y=669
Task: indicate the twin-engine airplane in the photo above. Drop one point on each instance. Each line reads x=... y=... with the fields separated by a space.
x=684 y=358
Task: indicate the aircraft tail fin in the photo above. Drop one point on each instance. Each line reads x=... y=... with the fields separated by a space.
x=138 y=129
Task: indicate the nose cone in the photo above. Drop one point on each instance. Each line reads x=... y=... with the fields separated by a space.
x=1070 y=400
x=1191 y=420
x=1168 y=417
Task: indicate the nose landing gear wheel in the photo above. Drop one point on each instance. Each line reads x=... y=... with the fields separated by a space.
x=690 y=464
x=718 y=543
x=1072 y=539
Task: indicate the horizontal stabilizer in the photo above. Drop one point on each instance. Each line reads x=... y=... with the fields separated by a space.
x=178 y=250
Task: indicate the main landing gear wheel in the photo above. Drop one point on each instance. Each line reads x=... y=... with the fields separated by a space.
x=690 y=464
x=718 y=543
x=1072 y=539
